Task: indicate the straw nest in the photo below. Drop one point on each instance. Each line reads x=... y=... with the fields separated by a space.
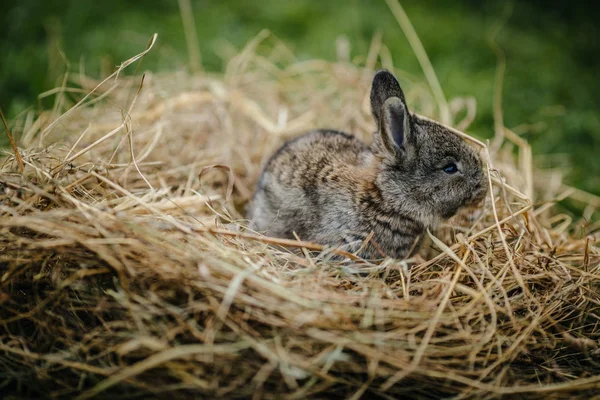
x=127 y=271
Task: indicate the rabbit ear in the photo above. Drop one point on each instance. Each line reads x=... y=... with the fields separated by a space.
x=390 y=111
x=384 y=86
x=394 y=126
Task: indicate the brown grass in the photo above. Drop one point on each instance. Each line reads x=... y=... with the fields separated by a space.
x=126 y=269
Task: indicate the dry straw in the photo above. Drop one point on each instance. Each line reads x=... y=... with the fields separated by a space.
x=126 y=270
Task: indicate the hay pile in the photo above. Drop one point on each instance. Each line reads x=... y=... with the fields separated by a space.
x=126 y=270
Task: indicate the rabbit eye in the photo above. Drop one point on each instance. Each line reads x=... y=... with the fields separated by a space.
x=450 y=168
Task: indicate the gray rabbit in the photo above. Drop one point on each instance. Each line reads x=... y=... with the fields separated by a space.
x=329 y=187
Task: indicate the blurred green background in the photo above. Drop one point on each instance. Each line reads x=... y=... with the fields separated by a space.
x=551 y=89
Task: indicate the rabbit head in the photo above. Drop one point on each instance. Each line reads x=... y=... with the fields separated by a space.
x=423 y=168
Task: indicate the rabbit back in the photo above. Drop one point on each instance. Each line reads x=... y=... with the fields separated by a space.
x=307 y=188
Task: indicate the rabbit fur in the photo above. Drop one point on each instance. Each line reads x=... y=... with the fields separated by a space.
x=331 y=188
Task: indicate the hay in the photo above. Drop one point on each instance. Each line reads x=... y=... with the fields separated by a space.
x=126 y=270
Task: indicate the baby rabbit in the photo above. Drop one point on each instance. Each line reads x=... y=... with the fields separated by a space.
x=329 y=187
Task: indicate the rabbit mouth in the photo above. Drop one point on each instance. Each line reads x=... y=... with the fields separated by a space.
x=477 y=199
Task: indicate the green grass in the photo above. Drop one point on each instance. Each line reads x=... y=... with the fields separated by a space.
x=550 y=89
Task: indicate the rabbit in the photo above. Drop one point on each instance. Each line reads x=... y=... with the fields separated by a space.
x=331 y=188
